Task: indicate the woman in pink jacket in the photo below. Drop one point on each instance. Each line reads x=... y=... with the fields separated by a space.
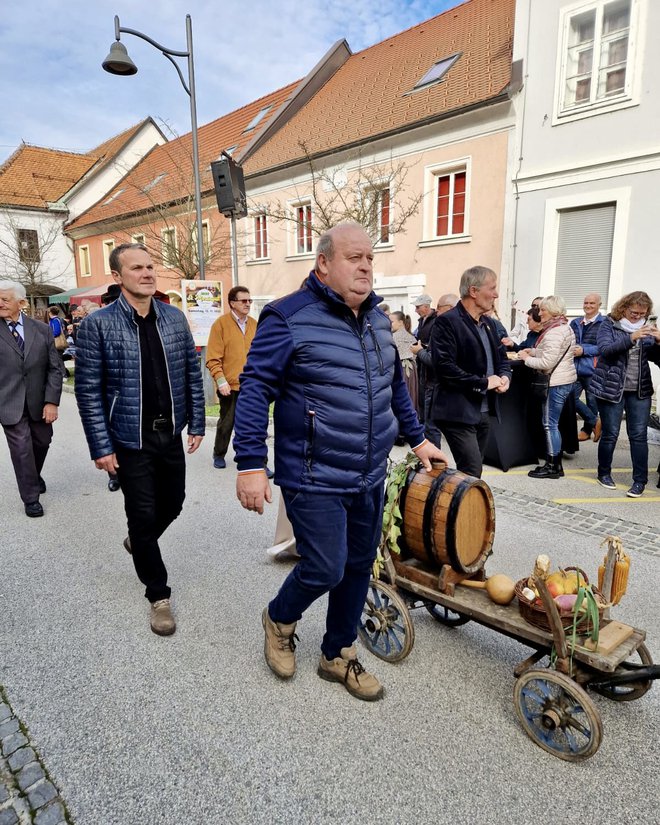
x=553 y=355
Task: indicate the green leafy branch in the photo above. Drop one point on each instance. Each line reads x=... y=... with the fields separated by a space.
x=392 y=516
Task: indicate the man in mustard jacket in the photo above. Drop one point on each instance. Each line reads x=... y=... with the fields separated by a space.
x=227 y=349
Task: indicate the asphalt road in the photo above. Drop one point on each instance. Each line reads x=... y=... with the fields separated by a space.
x=135 y=729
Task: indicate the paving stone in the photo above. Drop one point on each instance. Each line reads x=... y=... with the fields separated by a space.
x=41 y=794
x=29 y=775
x=8 y=726
x=21 y=757
x=8 y=817
x=5 y=711
x=4 y=792
x=13 y=743
x=53 y=814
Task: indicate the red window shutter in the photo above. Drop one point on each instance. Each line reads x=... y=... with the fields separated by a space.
x=458 y=210
x=384 y=215
x=442 y=228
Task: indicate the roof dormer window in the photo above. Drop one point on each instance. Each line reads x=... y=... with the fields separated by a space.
x=154 y=182
x=437 y=72
x=114 y=196
x=257 y=118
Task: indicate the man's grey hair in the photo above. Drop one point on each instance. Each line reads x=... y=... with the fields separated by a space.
x=326 y=244
x=115 y=256
x=447 y=300
x=474 y=276
x=13 y=286
x=554 y=305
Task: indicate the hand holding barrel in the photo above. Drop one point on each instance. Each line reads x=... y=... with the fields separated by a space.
x=428 y=452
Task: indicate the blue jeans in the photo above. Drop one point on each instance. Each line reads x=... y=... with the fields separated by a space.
x=588 y=412
x=637 y=417
x=337 y=537
x=551 y=412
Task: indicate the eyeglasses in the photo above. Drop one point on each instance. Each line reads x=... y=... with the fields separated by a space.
x=636 y=314
x=242 y=301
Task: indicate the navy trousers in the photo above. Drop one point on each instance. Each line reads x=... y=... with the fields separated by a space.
x=337 y=537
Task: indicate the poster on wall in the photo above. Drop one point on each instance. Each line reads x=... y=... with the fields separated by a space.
x=202 y=304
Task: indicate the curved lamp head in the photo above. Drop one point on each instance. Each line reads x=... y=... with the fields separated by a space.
x=118 y=61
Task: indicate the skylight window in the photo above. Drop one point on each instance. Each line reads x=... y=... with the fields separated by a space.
x=154 y=182
x=437 y=71
x=114 y=196
x=230 y=150
x=257 y=118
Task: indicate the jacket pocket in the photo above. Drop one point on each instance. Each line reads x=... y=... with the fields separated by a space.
x=310 y=428
x=112 y=406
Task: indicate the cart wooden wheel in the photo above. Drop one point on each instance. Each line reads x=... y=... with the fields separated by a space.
x=631 y=690
x=445 y=615
x=385 y=627
x=558 y=714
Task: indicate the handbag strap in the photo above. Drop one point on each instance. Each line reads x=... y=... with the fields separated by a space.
x=559 y=362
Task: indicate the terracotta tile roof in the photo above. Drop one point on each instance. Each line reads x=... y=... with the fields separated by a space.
x=35 y=175
x=172 y=161
x=368 y=96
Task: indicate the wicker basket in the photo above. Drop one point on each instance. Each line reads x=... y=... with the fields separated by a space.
x=536 y=614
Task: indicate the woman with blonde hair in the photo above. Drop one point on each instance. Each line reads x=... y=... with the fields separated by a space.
x=553 y=356
x=622 y=382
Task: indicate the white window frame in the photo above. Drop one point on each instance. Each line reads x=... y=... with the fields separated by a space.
x=138 y=238
x=166 y=262
x=374 y=189
x=258 y=303
x=253 y=257
x=630 y=94
x=83 y=253
x=553 y=206
x=108 y=246
x=293 y=235
x=430 y=208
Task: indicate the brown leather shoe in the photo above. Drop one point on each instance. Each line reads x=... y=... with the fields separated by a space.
x=347 y=670
x=598 y=429
x=583 y=435
x=279 y=646
x=162 y=620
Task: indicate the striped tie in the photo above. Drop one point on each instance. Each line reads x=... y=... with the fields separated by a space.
x=13 y=326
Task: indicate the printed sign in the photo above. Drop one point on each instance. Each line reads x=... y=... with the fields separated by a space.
x=202 y=304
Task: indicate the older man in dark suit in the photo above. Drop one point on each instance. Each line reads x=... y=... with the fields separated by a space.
x=471 y=369
x=30 y=387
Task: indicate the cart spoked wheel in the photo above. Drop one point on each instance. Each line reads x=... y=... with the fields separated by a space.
x=386 y=628
x=446 y=615
x=558 y=714
x=629 y=691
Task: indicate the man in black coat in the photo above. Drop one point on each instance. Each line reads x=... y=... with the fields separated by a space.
x=471 y=368
x=31 y=375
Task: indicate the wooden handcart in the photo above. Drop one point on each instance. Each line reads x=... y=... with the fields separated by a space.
x=551 y=702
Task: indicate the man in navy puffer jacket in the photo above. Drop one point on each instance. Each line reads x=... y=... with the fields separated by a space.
x=586 y=357
x=138 y=384
x=326 y=356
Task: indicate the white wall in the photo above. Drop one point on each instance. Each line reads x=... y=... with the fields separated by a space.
x=57 y=265
x=559 y=164
x=94 y=186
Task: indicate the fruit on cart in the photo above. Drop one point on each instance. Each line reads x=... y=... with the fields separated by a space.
x=500 y=588
x=574 y=580
x=556 y=583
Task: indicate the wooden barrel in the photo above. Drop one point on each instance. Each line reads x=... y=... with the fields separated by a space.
x=448 y=518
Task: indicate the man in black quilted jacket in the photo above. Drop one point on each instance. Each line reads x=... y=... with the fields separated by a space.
x=138 y=384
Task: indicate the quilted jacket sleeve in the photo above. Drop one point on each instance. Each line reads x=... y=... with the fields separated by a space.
x=195 y=389
x=89 y=388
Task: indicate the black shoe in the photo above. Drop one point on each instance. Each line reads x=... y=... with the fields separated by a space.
x=42 y=486
x=551 y=469
x=127 y=545
x=113 y=484
x=34 y=509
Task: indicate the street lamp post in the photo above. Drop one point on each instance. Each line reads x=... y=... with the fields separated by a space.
x=118 y=62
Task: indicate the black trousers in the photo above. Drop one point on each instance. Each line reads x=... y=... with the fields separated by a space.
x=467 y=443
x=153 y=481
x=225 y=423
x=28 y=443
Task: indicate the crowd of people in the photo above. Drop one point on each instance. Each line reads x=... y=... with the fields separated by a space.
x=344 y=379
